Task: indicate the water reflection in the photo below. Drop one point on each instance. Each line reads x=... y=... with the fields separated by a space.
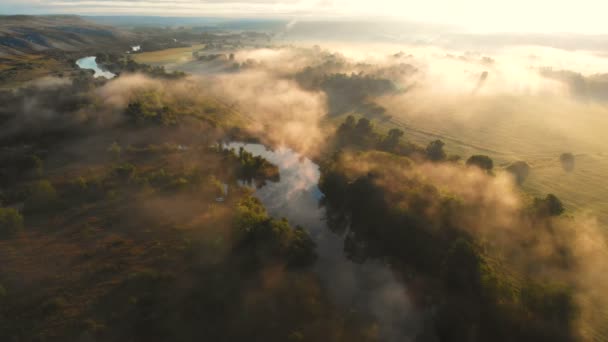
x=90 y=63
x=371 y=287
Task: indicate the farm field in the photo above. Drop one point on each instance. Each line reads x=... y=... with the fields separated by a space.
x=168 y=57
x=539 y=138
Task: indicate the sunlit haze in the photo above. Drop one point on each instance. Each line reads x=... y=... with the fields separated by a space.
x=584 y=16
x=304 y=170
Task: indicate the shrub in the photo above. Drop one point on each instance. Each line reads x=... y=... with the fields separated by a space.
x=520 y=170
x=483 y=162
x=461 y=269
x=567 y=160
x=553 y=302
x=11 y=222
x=550 y=205
x=434 y=151
x=42 y=196
x=115 y=150
x=125 y=171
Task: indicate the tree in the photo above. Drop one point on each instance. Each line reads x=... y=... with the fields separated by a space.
x=349 y=122
x=520 y=170
x=567 y=160
x=35 y=164
x=554 y=205
x=461 y=269
x=554 y=302
x=550 y=205
x=364 y=127
x=115 y=150
x=11 y=222
x=434 y=151
x=395 y=134
x=392 y=138
x=135 y=112
x=483 y=162
x=42 y=196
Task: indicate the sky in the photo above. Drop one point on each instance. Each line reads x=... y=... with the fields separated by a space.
x=581 y=16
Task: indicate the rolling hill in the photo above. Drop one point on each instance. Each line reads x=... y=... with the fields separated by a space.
x=22 y=34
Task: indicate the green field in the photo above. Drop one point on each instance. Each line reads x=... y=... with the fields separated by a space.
x=169 y=56
x=509 y=129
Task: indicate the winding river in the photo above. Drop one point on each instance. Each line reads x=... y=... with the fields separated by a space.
x=90 y=63
x=370 y=287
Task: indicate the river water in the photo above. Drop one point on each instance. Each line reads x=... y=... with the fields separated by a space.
x=371 y=287
x=90 y=63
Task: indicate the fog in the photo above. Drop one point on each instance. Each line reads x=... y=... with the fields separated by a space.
x=528 y=103
x=492 y=210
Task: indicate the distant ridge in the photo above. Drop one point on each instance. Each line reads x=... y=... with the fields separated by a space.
x=24 y=34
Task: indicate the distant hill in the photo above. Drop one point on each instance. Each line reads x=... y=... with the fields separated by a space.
x=21 y=34
x=202 y=23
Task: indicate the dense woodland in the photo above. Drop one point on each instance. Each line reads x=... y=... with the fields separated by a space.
x=410 y=222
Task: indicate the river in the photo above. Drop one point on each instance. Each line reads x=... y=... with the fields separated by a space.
x=90 y=63
x=370 y=287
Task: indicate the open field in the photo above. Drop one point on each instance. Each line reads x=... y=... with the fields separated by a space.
x=170 y=56
x=527 y=136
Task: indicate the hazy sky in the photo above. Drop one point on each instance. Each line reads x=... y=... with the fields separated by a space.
x=587 y=16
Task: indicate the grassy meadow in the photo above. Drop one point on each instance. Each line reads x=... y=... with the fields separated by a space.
x=533 y=135
x=167 y=57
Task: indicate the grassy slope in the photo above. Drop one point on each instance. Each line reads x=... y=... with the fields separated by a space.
x=36 y=46
x=29 y=34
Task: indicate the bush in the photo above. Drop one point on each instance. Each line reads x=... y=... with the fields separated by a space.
x=550 y=206
x=553 y=302
x=11 y=222
x=461 y=269
x=567 y=160
x=483 y=162
x=43 y=196
x=520 y=170
x=434 y=151
x=125 y=171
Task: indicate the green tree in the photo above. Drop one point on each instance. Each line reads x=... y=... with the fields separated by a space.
x=520 y=170
x=36 y=165
x=11 y=222
x=550 y=205
x=364 y=127
x=392 y=139
x=349 y=122
x=461 y=269
x=553 y=302
x=483 y=162
x=135 y=112
x=434 y=150
x=567 y=160
x=115 y=150
x=42 y=196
